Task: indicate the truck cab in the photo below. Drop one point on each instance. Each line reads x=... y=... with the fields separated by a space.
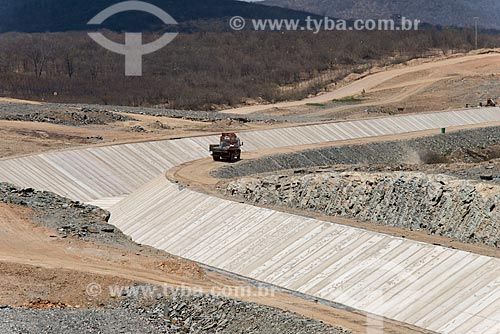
x=228 y=149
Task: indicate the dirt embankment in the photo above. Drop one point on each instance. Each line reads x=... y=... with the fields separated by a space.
x=416 y=86
x=85 y=226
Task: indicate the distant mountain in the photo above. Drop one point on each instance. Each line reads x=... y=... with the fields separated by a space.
x=65 y=15
x=437 y=12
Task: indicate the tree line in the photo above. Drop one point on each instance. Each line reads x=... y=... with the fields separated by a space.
x=203 y=70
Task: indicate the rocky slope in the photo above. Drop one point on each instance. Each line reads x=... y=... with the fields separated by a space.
x=73 y=114
x=177 y=313
x=439 y=204
x=67 y=217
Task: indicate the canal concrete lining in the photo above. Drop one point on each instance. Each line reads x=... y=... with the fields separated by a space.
x=441 y=289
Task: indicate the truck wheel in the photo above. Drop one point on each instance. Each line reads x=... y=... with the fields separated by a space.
x=231 y=157
x=216 y=158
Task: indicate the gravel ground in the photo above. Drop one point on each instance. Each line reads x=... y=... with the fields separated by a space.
x=19 y=111
x=484 y=171
x=470 y=146
x=72 y=321
x=173 y=313
x=64 y=116
x=197 y=313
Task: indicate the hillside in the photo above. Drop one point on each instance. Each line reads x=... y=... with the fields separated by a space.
x=57 y=15
x=444 y=12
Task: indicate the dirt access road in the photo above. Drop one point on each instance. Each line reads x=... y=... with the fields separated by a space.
x=10 y=100
x=371 y=83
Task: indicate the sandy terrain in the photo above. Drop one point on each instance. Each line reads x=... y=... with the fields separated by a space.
x=10 y=100
x=22 y=242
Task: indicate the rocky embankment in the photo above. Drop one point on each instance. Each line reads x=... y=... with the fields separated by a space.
x=58 y=113
x=439 y=204
x=176 y=313
x=71 y=116
x=68 y=218
x=201 y=313
x=462 y=146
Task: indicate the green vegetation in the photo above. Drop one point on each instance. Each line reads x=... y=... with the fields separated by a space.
x=315 y=104
x=349 y=99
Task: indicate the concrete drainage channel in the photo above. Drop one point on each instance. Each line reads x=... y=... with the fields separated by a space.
x=444 y=185
x=428 y=286
x=176 y=310
x=416 y=151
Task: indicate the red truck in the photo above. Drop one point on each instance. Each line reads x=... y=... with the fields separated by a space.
x=228 y=149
